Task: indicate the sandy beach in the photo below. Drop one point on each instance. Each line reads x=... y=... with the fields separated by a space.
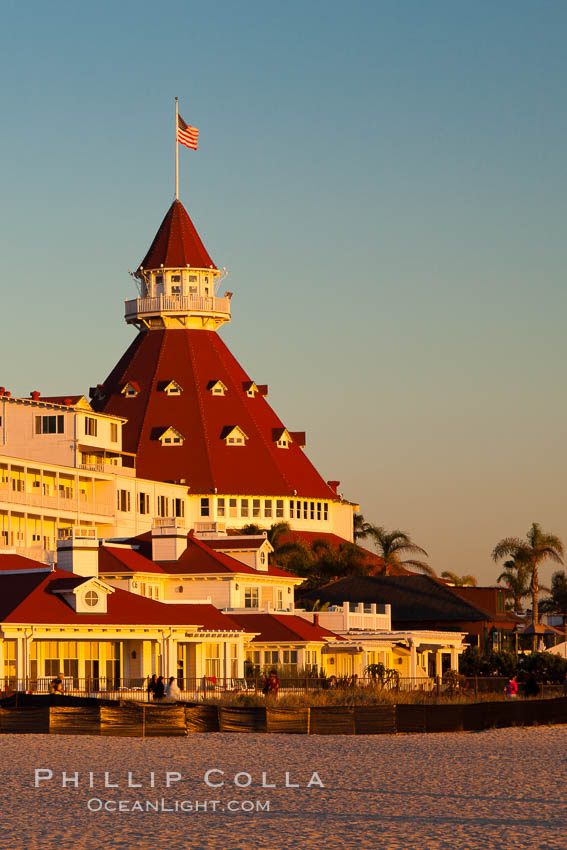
x=496 y=789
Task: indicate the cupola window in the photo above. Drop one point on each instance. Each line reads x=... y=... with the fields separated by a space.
x=281 y=438
x=168 y=436
x=170 y=387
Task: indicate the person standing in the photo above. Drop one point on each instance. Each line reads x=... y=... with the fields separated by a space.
x=273 y=684
x=151 y=689
x=511 y=687
x=172 y=691
x=159 y=692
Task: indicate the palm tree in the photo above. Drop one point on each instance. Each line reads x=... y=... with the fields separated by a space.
x=391 y=545
x=556 y=603
x=534 y=550
x=459 y=581
x=516 y=577
x=360 y=527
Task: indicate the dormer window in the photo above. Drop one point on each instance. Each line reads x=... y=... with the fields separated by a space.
x=171 y=388
x=168 y=436
x=217 y=387
x=250 y=388
x=281 y=438
x=91 y=598
x=234 y=436
x=130 y=390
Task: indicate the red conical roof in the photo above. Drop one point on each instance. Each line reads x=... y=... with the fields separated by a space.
x=196 y=360
x=177 y=244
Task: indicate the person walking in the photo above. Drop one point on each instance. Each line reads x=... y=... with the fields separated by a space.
x=272 y=684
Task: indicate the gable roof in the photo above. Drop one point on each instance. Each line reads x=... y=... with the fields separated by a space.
x=11 y=562
x=413 y=598
x=197 y=357
x=240 y=543
x=177 y=243
x=30 y=598
x=288 y=628
x=197 y=559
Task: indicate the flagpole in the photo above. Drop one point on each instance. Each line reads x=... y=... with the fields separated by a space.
x=176 y=151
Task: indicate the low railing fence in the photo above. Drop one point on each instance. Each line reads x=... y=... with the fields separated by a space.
x=206 y=687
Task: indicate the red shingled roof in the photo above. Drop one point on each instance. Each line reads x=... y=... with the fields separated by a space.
x=115 y=560
x=199 y=558
x=10 y=561
x=193 y=358
x=374 y=562
x=240 y=542
x=28 y=598
x=286 y=628
x=177 y=243
x=62 y=399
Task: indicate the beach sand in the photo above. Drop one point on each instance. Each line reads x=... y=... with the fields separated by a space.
x=497 y=789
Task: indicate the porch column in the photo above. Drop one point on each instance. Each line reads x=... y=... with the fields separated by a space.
x=20 y=668
x=1 y=664
x=226 y=661
x=413 y=660
x=454 y=658
x=171 y=657
x=438 y=663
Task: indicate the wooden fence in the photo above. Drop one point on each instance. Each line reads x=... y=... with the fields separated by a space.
x=73 y=716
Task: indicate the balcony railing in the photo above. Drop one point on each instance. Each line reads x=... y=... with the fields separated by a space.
x=185 y=304
x=109 y=468
x=37 y=500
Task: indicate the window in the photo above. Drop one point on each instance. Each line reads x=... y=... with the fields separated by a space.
x=251 y=597
x=220 y=507
x=244 y=507
x=312 y=510
x=280 y=600
x=173 y=388
x=271 y=656
x=193 y=289
x=130 y=390
x=262 y=558
x=205 y=507
x=267 y=507
x=290 y=656
x=163 y=506
x=49 y=424
x=159 y=279
x=255 y=507
x=279 y=508
x=212 y=659
x=193 y=279
x=91 y=598
x=305 y=506
x=123 y=500
x=232 y=507
x=282 y=443
x=178 y=507
x=90 y=426
x=176 y=278
x=318 y=510
x=291 y=509
x=175 y=290
x=236 y=441
x=325 y=511
x=144 y=503
x=113 y=432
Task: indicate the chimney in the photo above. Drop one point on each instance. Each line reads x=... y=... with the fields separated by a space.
x=35 y=394
x=77 y=550
x=333 y=485
x=169 y=539
x=2 y=390
x=68 y=401
x=315 y=619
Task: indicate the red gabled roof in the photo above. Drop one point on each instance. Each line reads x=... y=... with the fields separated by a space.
x=199 y=558
x=29 y=598
x=239 y=543
x=177 y=243
x=287 y=628
x=10 y=561
x=114 y=560
x=204 y=460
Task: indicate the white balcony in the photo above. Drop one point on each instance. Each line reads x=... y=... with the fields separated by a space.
x=184 y=305
x=62 y=503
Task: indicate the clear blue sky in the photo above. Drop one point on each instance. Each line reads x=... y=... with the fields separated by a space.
x=386 y=183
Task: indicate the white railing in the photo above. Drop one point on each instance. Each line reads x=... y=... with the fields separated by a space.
x=109 y=468
x=176 y=304
x=37 y=500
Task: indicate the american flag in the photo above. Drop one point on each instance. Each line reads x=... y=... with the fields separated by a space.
x=186 y=135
